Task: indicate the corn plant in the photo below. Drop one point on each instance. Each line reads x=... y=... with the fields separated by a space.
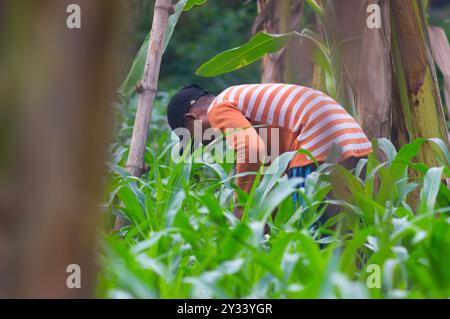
x=183 y=240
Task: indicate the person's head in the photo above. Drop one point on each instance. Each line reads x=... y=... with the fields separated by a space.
x=188 y=105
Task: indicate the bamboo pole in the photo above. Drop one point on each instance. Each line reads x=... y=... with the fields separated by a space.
x=146 y=89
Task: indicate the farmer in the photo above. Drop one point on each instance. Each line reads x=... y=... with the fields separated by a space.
x=303 y=117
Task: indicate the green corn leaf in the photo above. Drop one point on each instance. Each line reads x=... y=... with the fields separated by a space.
x=443 y=147
x=132 y=206
x=274 y=199
x=430 y=190
x=388 y=148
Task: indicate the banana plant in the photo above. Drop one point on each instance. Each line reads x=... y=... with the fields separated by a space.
x=264 y=43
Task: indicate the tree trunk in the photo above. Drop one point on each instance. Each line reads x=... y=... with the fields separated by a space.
x=271 y=64
x=441 y=53
x=147 y=88
x=291 y=64
x=362 y=62
x=418 y=108
x=56 y=88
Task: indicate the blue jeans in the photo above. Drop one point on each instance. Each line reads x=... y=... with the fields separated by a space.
x=300 y=171
x=304 y=171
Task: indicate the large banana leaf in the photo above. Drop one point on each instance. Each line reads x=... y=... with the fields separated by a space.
x=258 y=46
x=236 y=58
x=192 y=3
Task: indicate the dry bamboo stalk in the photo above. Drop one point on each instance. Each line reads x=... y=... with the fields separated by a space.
x=147 y=91
x=148 y=86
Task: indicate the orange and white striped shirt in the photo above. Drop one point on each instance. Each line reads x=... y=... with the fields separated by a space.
x=305 y=118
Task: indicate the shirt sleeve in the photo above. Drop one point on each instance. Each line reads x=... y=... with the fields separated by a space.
x=242 y=137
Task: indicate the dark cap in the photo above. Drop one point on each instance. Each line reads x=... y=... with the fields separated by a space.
x=181 y=102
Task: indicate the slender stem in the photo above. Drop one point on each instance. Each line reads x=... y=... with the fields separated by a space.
x=317 y=8
x=147 y=91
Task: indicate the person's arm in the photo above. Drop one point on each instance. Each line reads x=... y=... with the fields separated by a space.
x=244 y=139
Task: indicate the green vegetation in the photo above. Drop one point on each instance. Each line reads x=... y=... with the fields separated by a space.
x=184 y=241
x=390 y=239
x=200 y=33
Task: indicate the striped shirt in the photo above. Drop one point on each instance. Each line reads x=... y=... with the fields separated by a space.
x=305 y=118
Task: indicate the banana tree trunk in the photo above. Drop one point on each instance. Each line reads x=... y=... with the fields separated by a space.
x=441 y=53
x=361 y=60
x=292 y=63
x=417 y=107
x=267 y=21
